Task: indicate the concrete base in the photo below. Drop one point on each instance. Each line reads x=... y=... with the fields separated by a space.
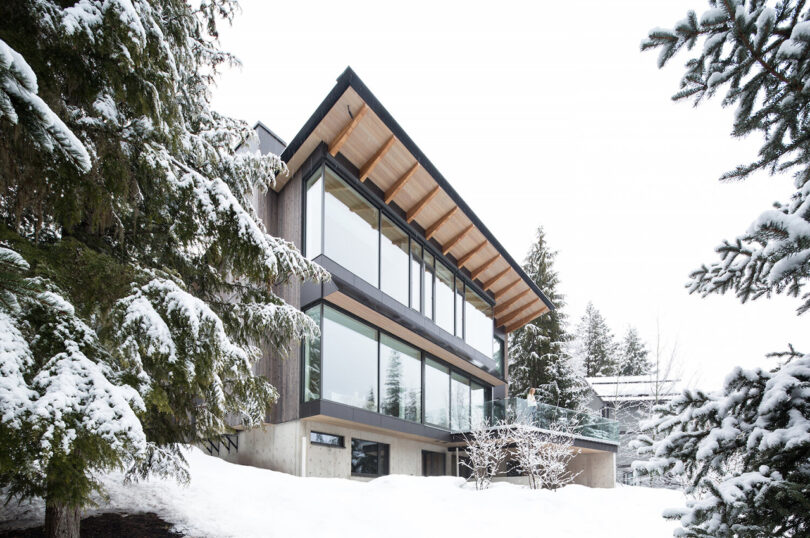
x=287 y=448
x=597 y=469
x=283 y=447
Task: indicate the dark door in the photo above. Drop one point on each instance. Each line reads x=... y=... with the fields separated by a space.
x=433 y=463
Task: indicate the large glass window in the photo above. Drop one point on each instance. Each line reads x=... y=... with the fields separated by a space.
x=459 y=308
x=459 y=402
x=497 y=353
x=351 y=229
x=477 y=399
x=314 y=214
x=369 y=458
x=478 y=317
x=428 y=284
x=349 y=361
x=400 y=380
x=444 y=297
x=437 y=394
x=312 y=357
x=394 y=255
x=417 y=277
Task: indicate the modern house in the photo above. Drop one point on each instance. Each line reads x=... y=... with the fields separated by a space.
x=415 y=320
x=630 y=400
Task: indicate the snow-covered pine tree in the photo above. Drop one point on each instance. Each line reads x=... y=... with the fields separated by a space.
x=122 y=190
x=745 y=453
x=594 y=348
x=633 y=355
x=537 y=352
x=760 y=52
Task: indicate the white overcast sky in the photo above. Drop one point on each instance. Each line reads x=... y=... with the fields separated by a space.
x=545 y=113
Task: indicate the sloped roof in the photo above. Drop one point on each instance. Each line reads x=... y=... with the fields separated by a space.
x=635 y=388
x=355 y=124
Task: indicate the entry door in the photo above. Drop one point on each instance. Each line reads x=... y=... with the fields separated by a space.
x=433 y=463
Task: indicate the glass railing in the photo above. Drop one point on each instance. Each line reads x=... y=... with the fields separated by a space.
x=544 y=416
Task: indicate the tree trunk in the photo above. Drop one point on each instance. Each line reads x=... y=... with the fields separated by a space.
x=61 y=520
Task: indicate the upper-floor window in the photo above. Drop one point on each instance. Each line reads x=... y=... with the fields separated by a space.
x=344 y=226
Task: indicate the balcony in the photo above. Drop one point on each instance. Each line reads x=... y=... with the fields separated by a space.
x=544 y=416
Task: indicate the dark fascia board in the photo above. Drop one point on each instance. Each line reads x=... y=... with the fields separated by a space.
x=350 y=79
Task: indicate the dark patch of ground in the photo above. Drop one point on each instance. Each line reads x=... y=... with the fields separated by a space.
x=107 y=525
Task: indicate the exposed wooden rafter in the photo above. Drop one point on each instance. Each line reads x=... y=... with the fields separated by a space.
x=464 y=260
x=375 y=160
x=523 y=321
x=491 y=282
x=503 y=320
x=343 y=136
x=397 y=186
x=503 y=291
x=433 y=228
x=503 y=308
x=453 y=242
x=421 y=204
x=487 y=264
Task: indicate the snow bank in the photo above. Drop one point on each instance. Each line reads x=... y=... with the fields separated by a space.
x=224 y=499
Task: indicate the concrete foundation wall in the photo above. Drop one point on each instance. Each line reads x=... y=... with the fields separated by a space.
x=597 y=470
x=279 y=447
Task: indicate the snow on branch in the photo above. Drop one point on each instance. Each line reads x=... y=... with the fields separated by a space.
x=19 y=103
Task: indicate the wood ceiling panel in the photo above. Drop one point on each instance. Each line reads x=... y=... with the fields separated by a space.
x=365 y=140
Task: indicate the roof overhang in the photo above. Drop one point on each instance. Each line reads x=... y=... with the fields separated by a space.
x=352 y=122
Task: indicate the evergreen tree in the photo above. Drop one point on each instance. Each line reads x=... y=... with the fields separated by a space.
x=144 y=279
x=633 y=355
x=537 y=351
x=745 y=451
x=594 y=347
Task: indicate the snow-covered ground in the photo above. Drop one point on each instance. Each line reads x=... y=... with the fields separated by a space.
x=232 y=500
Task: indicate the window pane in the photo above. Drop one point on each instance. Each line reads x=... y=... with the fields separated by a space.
x=459 y=308
x=351 y=229
x=401 y=380
x=428 y=309
x=444 y=297
x=437 y=394
x=314 y=214
x=497 y=353
x=369 y=458
x=349 y=361
x=312 y=360
x=460 y=402
x=394 y=259
x=477 y=398
x=416 y=276
x=479 y=323
x=320 y=438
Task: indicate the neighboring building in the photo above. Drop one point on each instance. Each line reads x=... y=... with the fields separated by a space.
x=415 y=320
x=630 y=400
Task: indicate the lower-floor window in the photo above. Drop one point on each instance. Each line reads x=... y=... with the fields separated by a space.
x=369 y=458
x=433 y=463
x=356 y=364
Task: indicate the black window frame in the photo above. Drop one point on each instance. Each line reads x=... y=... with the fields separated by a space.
x=384 y=209
x=380 y=446
x=423 y=356
x=341 y=439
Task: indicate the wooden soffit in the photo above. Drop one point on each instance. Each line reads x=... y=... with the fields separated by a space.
x=352 y=128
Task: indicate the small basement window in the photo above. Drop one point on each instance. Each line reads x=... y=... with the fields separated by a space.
x=369 y=458
x=327 y=439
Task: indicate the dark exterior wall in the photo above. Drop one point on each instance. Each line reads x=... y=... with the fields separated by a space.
x=282 y=213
